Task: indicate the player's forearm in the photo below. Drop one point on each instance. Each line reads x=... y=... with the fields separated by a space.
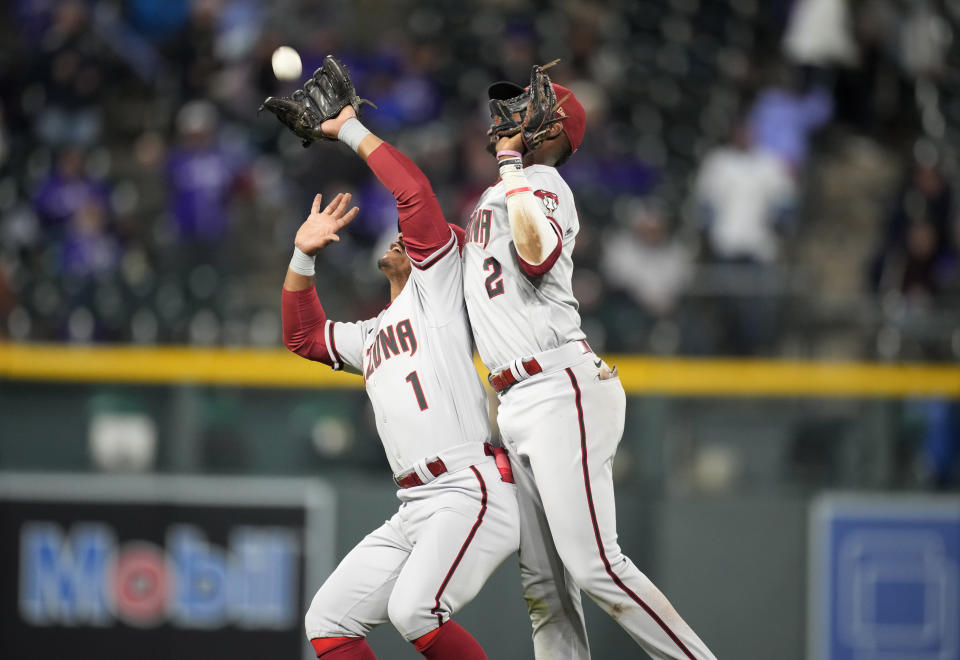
x=300 y=309
x=534 y=236
x=368 y=145
x=301 y=313
x=300 y=272
x=304 y=321
x=296 y=282
x=358 y=137
x=421 y=219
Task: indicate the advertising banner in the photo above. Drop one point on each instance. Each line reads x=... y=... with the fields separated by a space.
x=160 y=567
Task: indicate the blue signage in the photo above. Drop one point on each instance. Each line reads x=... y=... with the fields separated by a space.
x=87 y=578
x=885 y=578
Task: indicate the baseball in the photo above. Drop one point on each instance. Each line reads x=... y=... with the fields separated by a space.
x=286 y=63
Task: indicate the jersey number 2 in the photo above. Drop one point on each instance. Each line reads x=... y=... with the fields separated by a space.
x=414 y=381
x=494 y=279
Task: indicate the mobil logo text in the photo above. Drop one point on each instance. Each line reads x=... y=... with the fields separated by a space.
x=84 y=576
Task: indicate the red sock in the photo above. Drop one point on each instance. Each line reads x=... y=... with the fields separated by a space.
x=342 y=648
x=449 y=642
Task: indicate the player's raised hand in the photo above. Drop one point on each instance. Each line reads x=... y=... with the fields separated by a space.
x=321 y=226
x=510 y=143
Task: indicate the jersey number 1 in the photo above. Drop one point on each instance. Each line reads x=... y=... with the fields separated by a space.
x=414 y=381
x=494 y=279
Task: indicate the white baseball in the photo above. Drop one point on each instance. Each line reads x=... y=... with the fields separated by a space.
x=286 y=63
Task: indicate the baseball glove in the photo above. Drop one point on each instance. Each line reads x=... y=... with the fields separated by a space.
x=322 y=98
x=542 y=106
x=537 y=107
x=503 y=111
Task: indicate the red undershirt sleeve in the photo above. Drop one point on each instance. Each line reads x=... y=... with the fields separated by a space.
x=304 y=324
x=421 y=220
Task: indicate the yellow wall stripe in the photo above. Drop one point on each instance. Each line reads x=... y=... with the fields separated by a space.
x=167 y=365
x=250 y=367
x=787 y=378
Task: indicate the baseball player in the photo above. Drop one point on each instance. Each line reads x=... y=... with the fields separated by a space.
x=458 y=518
x=561 y=411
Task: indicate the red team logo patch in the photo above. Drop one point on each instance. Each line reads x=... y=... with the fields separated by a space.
x=549 y=200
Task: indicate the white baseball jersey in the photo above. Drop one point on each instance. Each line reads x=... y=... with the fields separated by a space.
x=515 y=314
x=415 y=358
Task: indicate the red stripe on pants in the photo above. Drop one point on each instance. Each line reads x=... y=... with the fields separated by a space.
x=596 y=527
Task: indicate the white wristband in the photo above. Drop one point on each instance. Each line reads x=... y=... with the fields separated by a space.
x=352 y=133
x=514 y=180
x=302 y=263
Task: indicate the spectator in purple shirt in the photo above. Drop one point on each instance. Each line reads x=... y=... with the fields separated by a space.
x=201 y=178
x=784 y=116
x=66 y=190
x=89 y=249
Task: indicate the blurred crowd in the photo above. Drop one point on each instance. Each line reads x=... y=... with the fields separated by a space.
x=758 y=177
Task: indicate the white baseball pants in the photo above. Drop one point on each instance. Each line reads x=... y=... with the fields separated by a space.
x=425 y=563
x=563 y=429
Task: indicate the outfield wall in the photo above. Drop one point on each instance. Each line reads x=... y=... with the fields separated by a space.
x=718 y=474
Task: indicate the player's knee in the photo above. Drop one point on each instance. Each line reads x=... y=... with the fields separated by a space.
x=402 y=615
x=539 y=611
x=587 y=572
x=409 y=615
x=593 y=573
x=313 y=621
x=321 y=620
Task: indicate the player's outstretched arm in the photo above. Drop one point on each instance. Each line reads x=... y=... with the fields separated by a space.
x=327 y=108
x=421 y=220
x=304 y=321
x=538 y=238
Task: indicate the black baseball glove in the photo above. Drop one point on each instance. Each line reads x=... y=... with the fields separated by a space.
x=536 y=106
x=322 y=98
x=542 y=107
x=503 y=111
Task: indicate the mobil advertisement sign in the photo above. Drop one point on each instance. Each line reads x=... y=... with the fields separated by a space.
x=149 y=567
x=84 y=576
